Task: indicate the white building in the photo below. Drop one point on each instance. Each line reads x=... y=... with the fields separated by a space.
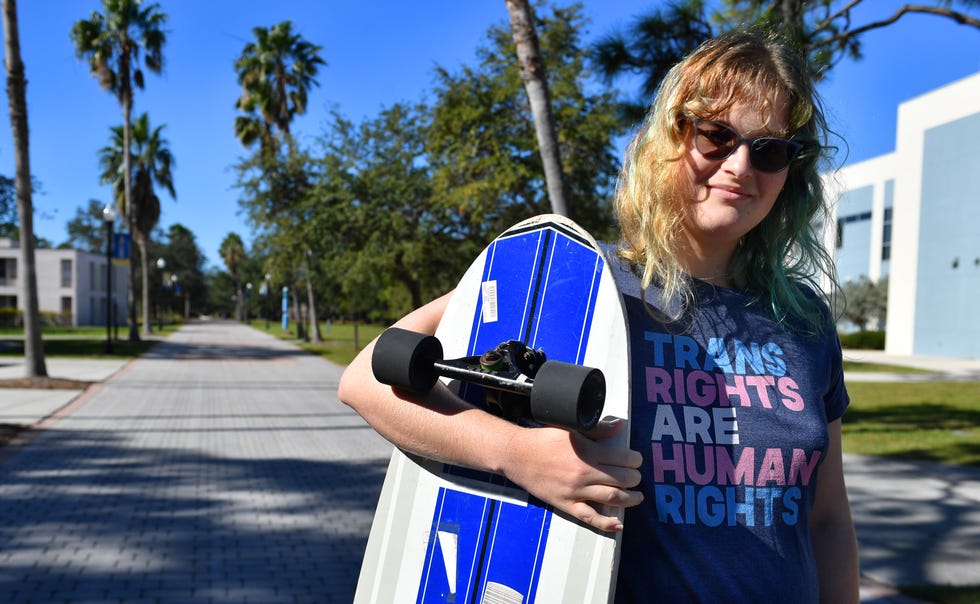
x=914 y=215
x=71 y=284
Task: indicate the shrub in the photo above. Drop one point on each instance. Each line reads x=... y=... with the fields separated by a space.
x=864 y=340
x=10 y=317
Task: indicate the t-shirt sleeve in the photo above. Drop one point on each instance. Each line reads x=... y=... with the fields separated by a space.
x=836 y=399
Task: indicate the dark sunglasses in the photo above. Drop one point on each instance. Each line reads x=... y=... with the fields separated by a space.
x=716 y=141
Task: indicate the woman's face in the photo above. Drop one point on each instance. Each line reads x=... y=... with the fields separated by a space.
x=730 y=196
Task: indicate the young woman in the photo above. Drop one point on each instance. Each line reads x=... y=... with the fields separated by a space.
x=735 y=489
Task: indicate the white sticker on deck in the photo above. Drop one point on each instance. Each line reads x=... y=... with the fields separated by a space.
x=489 y=301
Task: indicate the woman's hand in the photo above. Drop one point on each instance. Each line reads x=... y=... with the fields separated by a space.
x=575 y=473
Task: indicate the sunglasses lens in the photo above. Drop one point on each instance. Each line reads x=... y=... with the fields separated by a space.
x=771 y=154
x=714 y=140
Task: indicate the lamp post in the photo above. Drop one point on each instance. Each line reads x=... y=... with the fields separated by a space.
x=109 y=216
x=161 y=264
x=264 y=292
x=248 y=295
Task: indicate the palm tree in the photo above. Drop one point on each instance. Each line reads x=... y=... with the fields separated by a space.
x=16 y=84
x=113 y=42
x=151 y=162
x=232 y=251
x=275 y=72
x=536 y=84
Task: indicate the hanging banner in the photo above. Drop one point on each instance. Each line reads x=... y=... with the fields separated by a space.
x=120 y=246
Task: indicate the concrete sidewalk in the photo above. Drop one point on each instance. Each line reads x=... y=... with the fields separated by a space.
x=29 y=406
x=221 y=467
x=941 y=369
x=917 y=522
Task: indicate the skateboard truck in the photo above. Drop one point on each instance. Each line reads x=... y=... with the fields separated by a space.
x=520 y=382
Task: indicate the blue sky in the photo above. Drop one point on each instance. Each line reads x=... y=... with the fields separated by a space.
x=379 y=52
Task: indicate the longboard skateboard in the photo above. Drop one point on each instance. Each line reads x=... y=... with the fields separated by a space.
x=541 y=297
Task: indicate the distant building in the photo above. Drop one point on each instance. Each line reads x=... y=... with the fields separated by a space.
x=914 y=216
x=70 y=284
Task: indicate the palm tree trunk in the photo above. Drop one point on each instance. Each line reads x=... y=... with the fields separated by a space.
x=145 y=270
x=130 y=212
x=16 y=95
x=536 y=85
x=127 y=103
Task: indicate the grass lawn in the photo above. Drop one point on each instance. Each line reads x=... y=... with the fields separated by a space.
x=341 y=341
x=81 y=342
x=934 y=421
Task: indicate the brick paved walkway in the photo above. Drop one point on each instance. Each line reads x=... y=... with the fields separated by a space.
x=218 y=468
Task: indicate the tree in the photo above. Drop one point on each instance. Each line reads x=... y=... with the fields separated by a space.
x=276 y=72
x=232 y=251
x=113 y=42
x=8 y=208
x=482 y=146
x=277 y=188
x=86 y=231
x=390 y=237
x=535 y=79
x=865 y=301
x=34 y=364
x=152 y=162
x=823 y=29
x=185 y=260
x=654 y=43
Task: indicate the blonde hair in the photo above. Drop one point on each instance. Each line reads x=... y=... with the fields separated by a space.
x=755 y=69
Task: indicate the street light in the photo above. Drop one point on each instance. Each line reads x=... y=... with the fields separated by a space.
x=161 y=265
x=109 y=216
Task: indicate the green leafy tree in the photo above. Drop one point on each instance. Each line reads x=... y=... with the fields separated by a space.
x=865 y=301
x=185 y=260
x=87 y=230
x=152 y=162
x=482 y=147
x=34 y=364
x=117 y=43
x=823 y=29
x=8 y=208
x=277 y=196
x=393 y=246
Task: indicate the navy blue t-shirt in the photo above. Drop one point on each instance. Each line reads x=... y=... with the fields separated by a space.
x=730 y=412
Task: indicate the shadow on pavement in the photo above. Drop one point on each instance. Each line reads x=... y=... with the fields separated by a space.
x=86 y=518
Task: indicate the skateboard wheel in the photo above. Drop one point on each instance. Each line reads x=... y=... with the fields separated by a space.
x=404 y=359
x=567 y=395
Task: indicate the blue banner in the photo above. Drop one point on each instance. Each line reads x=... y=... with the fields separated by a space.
x=120 y=246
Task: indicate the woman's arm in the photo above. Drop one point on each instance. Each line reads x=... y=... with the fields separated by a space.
x=563 y=468
x=834 y=541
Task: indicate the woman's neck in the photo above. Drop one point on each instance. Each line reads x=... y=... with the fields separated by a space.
x=709 y=265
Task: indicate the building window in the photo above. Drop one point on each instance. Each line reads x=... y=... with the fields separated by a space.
x=8 y=301
x=8 y=271
x=66 y=272
x=848 y=220
x=886 y=236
